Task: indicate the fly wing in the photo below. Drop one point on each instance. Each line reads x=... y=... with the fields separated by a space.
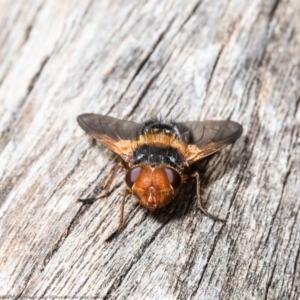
x=207 y=137
x=118 y=135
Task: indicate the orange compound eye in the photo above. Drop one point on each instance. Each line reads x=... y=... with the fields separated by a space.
x=132 y=176
x=173 y=177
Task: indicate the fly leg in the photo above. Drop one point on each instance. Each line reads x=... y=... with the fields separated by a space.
x=121 y=222
x=106 y=190
x=115 y=233
x=199 y=203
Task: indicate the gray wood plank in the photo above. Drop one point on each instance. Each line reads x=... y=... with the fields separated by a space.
x=185 y=60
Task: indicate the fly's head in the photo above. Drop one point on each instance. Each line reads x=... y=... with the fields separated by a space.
x=153 y=186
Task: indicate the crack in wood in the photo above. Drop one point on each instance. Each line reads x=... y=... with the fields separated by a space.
x=118 y=281
x=271 y=278
x=274 y=8
x=47 y=288
x=147 y=58
x=278 y=206
x=35 y=78
x=210 y=254
x=82 y=210
x=26 y=281
x=30 y=26
x=75 y=219
x=141 y=66
x=213 y=70
x=6 y=137
x=187 y=269
x=296 y=274
x=64 y=236
x=194 y=9
x=296 y=107
x=143 y=63
x=144 y=92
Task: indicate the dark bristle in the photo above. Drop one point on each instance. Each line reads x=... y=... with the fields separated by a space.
x=156 y=125
x=153 y=120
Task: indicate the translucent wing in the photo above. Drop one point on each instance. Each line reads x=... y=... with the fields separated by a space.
x=118 y=135
x=207 y=137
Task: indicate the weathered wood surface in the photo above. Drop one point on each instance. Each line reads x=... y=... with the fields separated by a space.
x=191 y=60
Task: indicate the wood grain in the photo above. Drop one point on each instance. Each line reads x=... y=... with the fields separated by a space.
x=186 y=60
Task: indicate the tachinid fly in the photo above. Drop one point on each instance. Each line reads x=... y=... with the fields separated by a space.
x=157 y=156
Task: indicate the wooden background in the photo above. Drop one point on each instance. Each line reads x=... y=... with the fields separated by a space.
x=188 y=60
